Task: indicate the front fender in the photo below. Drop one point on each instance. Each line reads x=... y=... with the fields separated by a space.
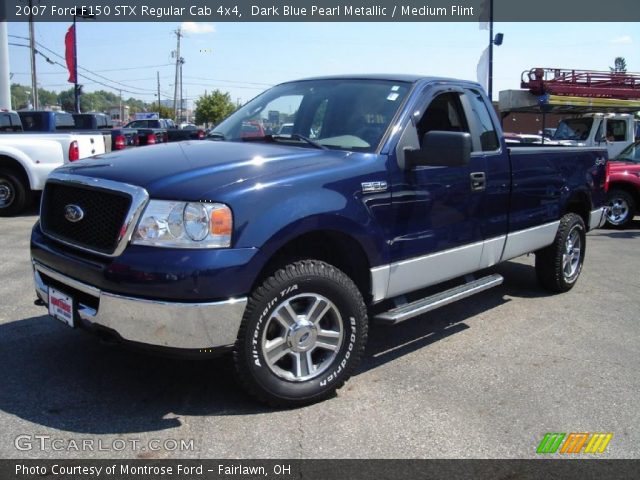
x=271 y=228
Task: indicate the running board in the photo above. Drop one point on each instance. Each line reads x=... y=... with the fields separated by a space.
x=413 y=309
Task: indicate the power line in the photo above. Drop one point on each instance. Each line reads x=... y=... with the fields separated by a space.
x=129 y=89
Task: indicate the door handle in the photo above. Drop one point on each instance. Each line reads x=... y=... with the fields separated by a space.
x=478 y=181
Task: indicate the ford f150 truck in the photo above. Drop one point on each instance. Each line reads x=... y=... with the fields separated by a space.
x=26 y=158
x=282 y=248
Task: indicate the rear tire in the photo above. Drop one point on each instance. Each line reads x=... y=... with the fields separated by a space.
x=621 y=208
x=14 y=194
x=302 y=335
x=559 y=265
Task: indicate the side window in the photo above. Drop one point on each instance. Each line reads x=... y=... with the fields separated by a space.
x=444 y=114
x=616 y=130
x=488 y=137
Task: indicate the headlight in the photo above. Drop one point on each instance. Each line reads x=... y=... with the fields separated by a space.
x=184 y=225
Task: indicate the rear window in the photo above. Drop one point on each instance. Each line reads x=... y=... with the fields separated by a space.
x=64 y=121
x=31 y=122
x=10 y=122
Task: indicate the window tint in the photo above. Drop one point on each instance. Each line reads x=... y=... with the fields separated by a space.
x=9 y=122
x=444 y=114
x=64 y=121
x=31 y=122
x=488 y=137
x=616 y=130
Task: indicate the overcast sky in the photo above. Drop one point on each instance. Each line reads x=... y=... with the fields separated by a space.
x=245 y=58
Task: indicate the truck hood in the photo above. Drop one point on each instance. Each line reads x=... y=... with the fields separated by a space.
x=194 y=170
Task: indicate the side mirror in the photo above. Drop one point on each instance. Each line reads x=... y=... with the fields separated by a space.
x=441 y=149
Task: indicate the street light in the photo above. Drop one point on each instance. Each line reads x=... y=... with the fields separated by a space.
x=77 y=89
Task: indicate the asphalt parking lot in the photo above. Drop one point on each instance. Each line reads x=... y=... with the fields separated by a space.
x=484 y=378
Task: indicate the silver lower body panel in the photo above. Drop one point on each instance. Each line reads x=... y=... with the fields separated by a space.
x=151 y=322
x=597 y=218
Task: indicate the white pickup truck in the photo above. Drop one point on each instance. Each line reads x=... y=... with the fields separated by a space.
x=616 y=131
x=26 y=159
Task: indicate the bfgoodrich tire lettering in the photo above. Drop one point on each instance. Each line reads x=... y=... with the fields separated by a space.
x=559 y=265
x=302 y=335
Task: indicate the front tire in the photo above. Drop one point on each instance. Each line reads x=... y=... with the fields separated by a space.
x=14 y=194
x=302 y=335
x=559 y=265
x=621 y=208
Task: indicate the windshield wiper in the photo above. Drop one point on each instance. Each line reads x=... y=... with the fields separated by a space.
x=275 y=138
x=313 y=143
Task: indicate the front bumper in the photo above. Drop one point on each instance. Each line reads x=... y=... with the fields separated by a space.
x=178 y=325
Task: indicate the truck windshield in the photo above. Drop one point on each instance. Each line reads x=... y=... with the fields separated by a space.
x=344 y=114
x=573 y=129
x=630 y=154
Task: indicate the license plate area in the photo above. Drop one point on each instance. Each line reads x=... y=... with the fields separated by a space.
x=61 y=306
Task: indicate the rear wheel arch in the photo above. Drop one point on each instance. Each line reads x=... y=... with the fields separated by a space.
x=580 y=204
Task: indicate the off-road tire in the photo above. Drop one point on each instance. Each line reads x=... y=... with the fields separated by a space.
x=293 y=283
x=552 y=269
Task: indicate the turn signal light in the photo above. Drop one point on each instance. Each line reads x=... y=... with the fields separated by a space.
x=221 y=221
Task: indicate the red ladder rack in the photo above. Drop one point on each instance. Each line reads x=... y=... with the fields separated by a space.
x=581 y=83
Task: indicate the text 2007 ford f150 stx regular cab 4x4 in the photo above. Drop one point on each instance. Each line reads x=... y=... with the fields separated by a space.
x=281 y=248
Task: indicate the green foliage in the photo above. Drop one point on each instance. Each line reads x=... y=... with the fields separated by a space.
x=98 y=101
x=165 y=112
x=619 y=65
x=213 y=108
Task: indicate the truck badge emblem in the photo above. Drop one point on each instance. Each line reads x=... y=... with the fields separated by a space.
x=73 y=213
x=374 y=187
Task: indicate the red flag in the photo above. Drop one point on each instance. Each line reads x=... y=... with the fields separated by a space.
x=70 y=52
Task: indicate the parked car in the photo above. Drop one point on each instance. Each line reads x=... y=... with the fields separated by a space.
x=26 y=158
x=614 y=131
x=174 y=134
x=119 y=138
x=286 y=129
x=284 y=248
x=623 y=197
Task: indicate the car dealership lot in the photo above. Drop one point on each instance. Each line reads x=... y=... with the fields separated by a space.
x=486 y=377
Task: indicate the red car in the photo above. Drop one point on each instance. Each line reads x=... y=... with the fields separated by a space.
x=624 y=186
x=251 y=129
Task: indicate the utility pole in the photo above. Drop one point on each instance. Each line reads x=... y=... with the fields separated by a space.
x=121 y=113
x=175 y=83
x=158 y=74
x=181 y=100
x=490 y=82
x=32 y=46
x=5 y=89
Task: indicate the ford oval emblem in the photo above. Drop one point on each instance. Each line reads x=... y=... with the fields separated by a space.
x=73 y=213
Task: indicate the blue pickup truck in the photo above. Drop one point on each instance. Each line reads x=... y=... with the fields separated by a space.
x=282 y=248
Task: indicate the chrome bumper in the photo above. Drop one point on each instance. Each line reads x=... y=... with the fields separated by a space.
x=160 y=323
x=597 y=218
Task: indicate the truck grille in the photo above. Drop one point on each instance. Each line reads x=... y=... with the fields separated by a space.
x=104 y=215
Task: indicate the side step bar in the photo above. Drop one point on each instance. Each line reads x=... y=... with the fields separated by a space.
x=413 y=309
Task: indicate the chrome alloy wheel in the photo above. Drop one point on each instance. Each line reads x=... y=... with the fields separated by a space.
x=302 y=337
x=571 y=255
x=6 y=193
x=617 y=210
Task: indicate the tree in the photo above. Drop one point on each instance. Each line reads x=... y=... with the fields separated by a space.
x=214 y=107
x=620 y=65
x=164 y=112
